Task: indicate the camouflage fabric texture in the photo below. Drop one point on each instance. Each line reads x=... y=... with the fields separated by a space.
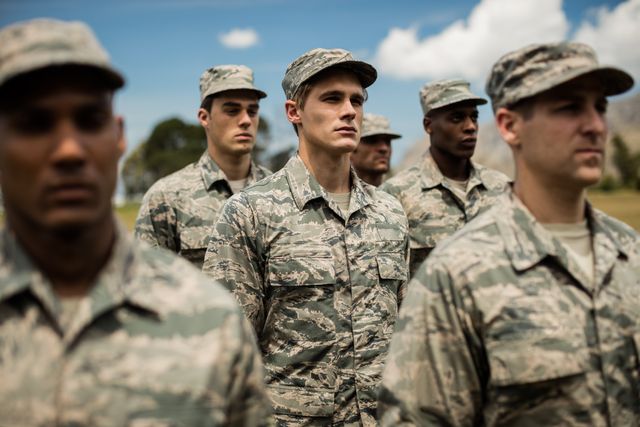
x=39 y=43
x=432 y=207
x=179 y=210
x=316 y=60
x=375 y=124
x=502 y=328
x=441 y=93
x=227 y=77
x=155 y=343
x=322 y=290
x=536 y=68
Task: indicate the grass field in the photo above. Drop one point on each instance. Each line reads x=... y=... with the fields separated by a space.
x=622 y=204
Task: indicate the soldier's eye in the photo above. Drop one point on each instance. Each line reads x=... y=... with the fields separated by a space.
x=34 y=122
x=91 y=118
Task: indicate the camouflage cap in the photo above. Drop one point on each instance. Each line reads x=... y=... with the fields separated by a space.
x=227 y=77
x=441 y=93
x=536 y=68
x=312 y=62
x=374 y=124
x=40 y=43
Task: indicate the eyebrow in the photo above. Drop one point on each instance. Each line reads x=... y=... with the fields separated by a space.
x=237 y=104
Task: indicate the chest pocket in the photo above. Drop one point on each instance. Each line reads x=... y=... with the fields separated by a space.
x=300 y=291
x=193 y=244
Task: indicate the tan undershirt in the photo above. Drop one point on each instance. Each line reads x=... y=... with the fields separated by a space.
x=69 y=308
x=342 y=200
x=237 y=185
x=459 y=188
x=577 y=240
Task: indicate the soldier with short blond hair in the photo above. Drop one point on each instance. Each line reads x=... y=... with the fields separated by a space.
x=317 y=257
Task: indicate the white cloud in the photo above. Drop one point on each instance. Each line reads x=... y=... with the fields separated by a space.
x=468 y=48
x=614 y=35
x=239 y=38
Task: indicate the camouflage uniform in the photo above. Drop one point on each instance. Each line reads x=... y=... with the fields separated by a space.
x=178 y=211
x=154 y=343
x=501 y=325
x=434 y=211
x=322 y=290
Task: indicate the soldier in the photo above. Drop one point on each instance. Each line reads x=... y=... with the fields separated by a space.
x=179 y=210
x=447 y=189
x=316 y=257
x=372 y=156
x=529 y=315
x=97 y=329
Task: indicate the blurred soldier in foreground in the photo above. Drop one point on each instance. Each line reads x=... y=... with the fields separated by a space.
x=529 y=315
x=95 y=329
x=447 y=189
x=318 y=258
x=178 y=211
x=372 y=156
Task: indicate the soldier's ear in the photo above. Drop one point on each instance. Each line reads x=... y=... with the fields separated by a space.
x=122 y=140
x=292 y=111
x=508 y=123
x=426 y=123
x=203 y=117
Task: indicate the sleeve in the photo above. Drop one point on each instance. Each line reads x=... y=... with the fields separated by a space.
x=232 y=258
x=249 y=404
x=432 y=376
x=156 y=221
x=402 y=289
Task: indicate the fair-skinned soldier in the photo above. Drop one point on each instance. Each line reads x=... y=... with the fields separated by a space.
x=178 y=211
x=529 y=315
x=371 y=158
x=95 y=328
x=318 y=258
x=447 y=189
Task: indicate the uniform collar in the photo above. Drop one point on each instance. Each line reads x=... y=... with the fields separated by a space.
x=432 y=177
x=112 y=287
x=527 y=242
x=305 y=187
x=211 y=172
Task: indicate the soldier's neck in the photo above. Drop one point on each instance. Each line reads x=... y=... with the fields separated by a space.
x=233 y=165
x=69 y=259
x=329 y=169
x=371 y=178
x=453 y=167
x=551 y=203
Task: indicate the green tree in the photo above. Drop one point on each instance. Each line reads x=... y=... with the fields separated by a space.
x=627 y=163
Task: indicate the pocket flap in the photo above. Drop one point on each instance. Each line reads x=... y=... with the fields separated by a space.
x=513 y=365
x=392 y=266
x=301 y=271
x=301 y=401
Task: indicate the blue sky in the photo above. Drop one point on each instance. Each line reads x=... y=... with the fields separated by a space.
x=162 y=46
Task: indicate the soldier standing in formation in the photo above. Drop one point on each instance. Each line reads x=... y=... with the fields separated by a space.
x=318 y=258
x=447 y=189
x=529 y=316
x=178 y=211
x=97 y=329
x=372 y=157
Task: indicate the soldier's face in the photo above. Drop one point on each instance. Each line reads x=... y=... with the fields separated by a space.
x=332 y=116
x=372 y=155
x=453 y=130
x=59 y=154
x=561 y=140
x=232 y=123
